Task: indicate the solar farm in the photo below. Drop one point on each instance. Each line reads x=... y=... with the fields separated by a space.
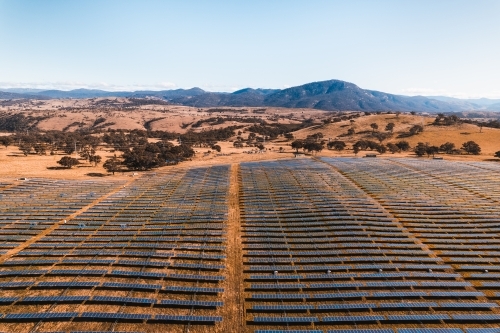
x=324 y=245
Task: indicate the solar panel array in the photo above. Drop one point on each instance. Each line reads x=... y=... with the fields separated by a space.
x=150 y=257
x=341 y=245
x=325 y=250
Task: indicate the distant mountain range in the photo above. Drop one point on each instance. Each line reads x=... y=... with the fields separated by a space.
x=331 y=95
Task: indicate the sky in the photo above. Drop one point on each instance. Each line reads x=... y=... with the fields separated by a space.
x=418 y=47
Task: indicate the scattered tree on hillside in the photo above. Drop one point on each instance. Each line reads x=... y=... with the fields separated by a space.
x=312 y=146
x=26 y=148
x=382 y=136
x=447 y=147
x=68 y=162
x=393 y=148
x=297 y=144
x=403 y=145
x=415 y=129
x=431 y=150
x=420 y=149
x=337 y=145
x=471 y=147
x=96 y=159
x=374 y=127
x=5 y=141
x=350 y=131
x=216 y=148
x=497 y=154
x=443 y=120
x=112 y=165
x=390 y=127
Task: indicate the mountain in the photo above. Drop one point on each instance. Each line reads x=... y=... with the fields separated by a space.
x=332 y=95
x=479 y=102
x=13 y=95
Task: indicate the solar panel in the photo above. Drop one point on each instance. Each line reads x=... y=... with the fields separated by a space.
x=417 y=318
x=348 y=306
x=290 y=331
x=408 y=305
x=122 y=300
x=114 y=316
x=53 y=299
x=285 y=319
x=49 y=284
x=476 y=317
x=129 y=286
x=382 y=330
x=194 y=319
x=430 y=330
x=194 y=289
x=186 y=303
x=40 y=315
x=356 y=319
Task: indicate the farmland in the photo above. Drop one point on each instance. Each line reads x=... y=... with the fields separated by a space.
x=323 y=244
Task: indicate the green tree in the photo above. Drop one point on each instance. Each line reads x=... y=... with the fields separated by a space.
x=420 y=149
x=313 y=147
x=96 y=159
x=297 y=144
x=393 y=148
x=447 y=147
x=5 y=141
x=431 y=150
x=415 y=129
x=337 y=145
x=68 y=162
x=471 y=147
x=403 y=145
x=112 y=165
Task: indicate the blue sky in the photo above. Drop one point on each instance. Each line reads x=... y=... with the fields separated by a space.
x=446 y=47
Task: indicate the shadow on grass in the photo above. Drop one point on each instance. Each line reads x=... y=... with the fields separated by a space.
x=57 y=168
x=96 y=174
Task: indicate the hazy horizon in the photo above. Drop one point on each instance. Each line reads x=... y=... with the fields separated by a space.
x=429 y=48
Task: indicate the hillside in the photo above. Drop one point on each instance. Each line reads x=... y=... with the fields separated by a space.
x=487 y=138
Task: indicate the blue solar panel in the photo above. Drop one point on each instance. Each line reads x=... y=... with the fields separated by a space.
x=347 y=306
x=285 y=319
x=114 y=316
x=357 y=319
x=68 y=284
x=476 y=317
x=186 y=303
x=430 y=330
x=194 y=289
x=290 y=331
x=122 y=300
x=201 y=319
x=417 y=318
x=483 y=330
x=53 y=299
x=129 y=286
x=41 y=315
x=382 y=330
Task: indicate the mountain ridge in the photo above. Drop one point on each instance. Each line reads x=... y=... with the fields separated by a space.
x=330 y=95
